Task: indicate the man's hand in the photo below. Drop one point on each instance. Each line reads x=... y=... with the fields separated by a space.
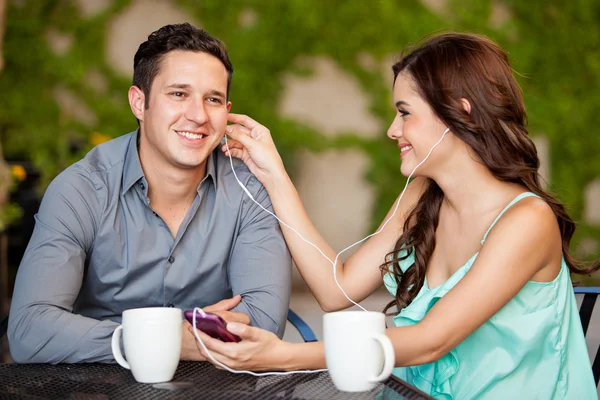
x=189 y=351
x=222 y=309
x=189 y=347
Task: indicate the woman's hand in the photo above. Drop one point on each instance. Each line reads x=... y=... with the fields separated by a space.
x=259 y=349
x=252 y=143
x=189 y=349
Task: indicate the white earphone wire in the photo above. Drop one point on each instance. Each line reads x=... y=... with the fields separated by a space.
x=220 y=364
x=333 y=262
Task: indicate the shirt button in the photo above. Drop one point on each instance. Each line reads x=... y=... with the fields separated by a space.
x=171 y=260
x=142 y=185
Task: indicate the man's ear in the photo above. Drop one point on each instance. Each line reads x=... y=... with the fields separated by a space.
x=137 y=102
x=466 y=105
x=228 y=106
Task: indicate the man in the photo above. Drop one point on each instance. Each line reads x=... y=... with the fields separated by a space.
x=152 y=218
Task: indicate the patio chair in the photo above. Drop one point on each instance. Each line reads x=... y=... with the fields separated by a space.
x=3 y=327
x=590 y=294
x=302 y=327
x=3 y=341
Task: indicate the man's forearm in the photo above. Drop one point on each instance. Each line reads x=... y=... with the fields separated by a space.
x=47 y=334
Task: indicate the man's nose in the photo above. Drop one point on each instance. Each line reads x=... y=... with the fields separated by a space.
x=196 y=112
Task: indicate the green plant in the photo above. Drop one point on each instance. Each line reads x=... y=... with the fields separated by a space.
x=553 y=46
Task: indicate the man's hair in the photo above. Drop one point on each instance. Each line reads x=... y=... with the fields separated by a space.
x=185 y=37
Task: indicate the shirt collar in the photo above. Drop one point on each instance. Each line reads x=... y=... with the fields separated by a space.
x=132 y=168
x=211 y=170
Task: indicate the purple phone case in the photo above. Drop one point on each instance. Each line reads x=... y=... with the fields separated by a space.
x=213 y=325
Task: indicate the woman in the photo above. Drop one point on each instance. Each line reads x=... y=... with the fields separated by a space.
x=477 y=254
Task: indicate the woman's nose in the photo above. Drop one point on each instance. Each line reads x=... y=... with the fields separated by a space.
x=394 y=132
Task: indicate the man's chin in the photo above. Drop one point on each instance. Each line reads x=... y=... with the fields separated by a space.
x=192 y=164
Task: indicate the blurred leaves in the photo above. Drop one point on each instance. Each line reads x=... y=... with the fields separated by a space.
x=554 y=45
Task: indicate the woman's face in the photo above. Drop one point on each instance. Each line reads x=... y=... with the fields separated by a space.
x=416 y=128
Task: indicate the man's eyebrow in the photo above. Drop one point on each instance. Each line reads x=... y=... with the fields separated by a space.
x=212 y=92
x=401 y=103
x=217 y=93
x=179 y=86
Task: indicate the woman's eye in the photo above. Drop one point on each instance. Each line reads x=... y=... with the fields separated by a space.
x=403 y=113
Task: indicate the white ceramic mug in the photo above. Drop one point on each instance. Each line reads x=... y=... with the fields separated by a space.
x=152 y=343
x=357 y=351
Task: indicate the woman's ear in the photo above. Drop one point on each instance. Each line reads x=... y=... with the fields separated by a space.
x=466 y=105
x=137 y=102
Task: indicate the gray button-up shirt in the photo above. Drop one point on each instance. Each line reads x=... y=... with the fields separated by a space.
x=98 y=249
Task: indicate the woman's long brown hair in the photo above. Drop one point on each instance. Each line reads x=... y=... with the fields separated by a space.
x=445 y=69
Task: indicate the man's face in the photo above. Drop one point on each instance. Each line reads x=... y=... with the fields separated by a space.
x=187 y=111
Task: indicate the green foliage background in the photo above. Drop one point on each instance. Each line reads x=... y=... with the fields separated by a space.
x=554 y=46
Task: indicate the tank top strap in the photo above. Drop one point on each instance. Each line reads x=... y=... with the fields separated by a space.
x=514 y=201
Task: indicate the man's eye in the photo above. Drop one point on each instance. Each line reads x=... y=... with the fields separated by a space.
x=215 y=100
x=178 y=94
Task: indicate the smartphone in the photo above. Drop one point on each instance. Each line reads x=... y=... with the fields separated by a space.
x=213 y=325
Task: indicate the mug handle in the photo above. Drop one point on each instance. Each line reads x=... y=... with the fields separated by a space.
x=116 y=347
x=388 y=358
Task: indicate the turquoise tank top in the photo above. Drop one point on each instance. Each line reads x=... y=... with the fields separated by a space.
x=533 y=348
